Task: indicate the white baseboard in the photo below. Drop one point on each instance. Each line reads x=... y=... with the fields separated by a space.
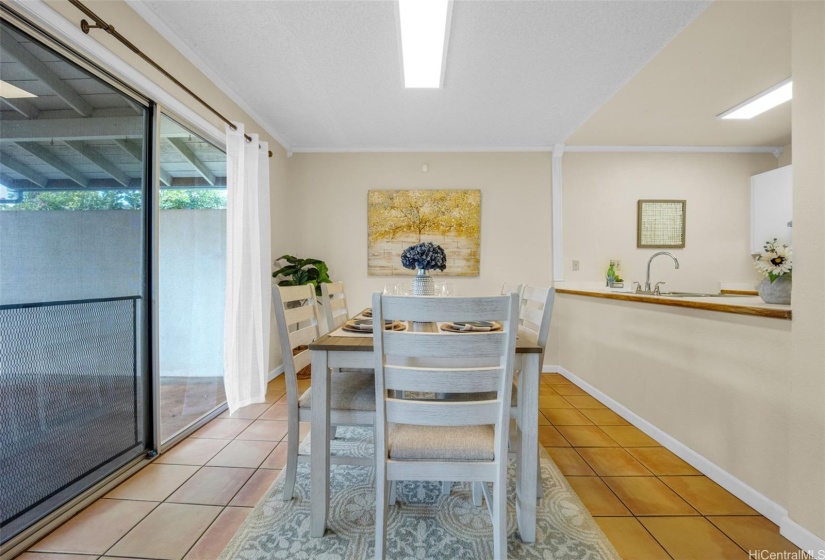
x=275 y=373
x=788 y=528
x=803 y=538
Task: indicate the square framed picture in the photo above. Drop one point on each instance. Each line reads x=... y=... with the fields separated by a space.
x=661 y=224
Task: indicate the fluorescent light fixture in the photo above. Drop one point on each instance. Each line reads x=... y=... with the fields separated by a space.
x=768 y=99
x=8 y=91
x=423 y=26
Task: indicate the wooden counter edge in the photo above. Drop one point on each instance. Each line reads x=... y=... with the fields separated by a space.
x=708 y=306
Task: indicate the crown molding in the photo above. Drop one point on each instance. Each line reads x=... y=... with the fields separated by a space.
x=421 y=149
x=676 y=149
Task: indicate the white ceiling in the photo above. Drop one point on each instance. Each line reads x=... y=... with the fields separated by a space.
x=326 y=75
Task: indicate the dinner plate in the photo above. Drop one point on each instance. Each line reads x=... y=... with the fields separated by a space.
x=488 y=324
x=457 y=327
x=365 y=326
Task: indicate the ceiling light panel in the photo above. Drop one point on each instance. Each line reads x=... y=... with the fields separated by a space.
x=9 y=91
x=423 y=26
x=768 y=99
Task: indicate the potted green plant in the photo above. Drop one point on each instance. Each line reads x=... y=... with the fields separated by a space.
x=299 y=272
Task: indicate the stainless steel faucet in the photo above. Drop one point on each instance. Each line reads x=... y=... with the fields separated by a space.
x=647 y=278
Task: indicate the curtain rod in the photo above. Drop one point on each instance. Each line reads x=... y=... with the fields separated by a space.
x=110 y=29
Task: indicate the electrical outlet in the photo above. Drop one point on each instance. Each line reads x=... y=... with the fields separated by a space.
x=575 y=266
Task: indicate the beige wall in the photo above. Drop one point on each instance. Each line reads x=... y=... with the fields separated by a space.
x=330 y=191
x=716 y=382
x=805 y=461
x=600 y=193
x=786 y=157
x=134 y=28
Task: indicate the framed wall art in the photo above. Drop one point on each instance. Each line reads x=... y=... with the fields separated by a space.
x=661 y=224
x=398 y=219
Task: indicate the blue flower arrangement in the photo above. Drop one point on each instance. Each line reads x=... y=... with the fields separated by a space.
x=426 y=256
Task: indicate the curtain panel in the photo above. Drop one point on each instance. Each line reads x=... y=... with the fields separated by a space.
x=248 y=276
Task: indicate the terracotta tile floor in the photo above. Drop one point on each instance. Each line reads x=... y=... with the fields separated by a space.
x=190 y=502
x=650 y=503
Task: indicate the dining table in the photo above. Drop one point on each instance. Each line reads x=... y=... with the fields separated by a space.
x=343 y=350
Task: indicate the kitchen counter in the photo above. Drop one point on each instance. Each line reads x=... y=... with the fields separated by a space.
x=742 y=305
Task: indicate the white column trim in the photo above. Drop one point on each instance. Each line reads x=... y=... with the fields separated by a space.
x=558 y=232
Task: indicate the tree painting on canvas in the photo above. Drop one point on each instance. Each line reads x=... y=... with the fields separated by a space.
x=398 y=219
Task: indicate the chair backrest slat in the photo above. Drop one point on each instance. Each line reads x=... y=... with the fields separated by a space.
x=299 y=314
x=303 y=336
x=440 y=309
x=435 y=413
x=301 y=360
x=532 y=315
x=444 y=345
x=334 y=303
x=442 y=380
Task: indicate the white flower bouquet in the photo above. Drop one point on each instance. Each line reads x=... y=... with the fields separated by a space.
x=775 y=260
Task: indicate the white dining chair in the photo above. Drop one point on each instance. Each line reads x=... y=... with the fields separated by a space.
x=535 y=313
x=334 y=304
x=438 y=440
x=352 y=393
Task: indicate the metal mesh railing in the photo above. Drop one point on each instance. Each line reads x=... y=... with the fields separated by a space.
x=70 y=400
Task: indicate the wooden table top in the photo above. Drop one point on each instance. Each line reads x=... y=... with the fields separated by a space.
x=364 y=344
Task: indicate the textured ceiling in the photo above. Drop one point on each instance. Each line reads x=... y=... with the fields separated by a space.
x=326 y=75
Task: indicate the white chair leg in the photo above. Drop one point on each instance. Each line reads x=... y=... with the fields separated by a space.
x=382 y=489
x=291 y=458
x=393 y=490
x=446 y=487
x=500 y=518
x=477 y=493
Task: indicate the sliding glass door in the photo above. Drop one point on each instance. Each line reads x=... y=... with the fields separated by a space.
x=74 y=241
x=191 y=276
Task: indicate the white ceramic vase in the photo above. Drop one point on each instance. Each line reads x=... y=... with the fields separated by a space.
x=423 y=284
x=778 y=291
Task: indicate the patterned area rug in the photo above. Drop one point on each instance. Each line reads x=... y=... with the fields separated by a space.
x=422 y=525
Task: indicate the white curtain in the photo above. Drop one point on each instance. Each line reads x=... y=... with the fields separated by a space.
x=248 y=277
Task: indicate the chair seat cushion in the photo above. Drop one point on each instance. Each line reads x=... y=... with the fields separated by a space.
x=350 y=390
x=408 y=442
